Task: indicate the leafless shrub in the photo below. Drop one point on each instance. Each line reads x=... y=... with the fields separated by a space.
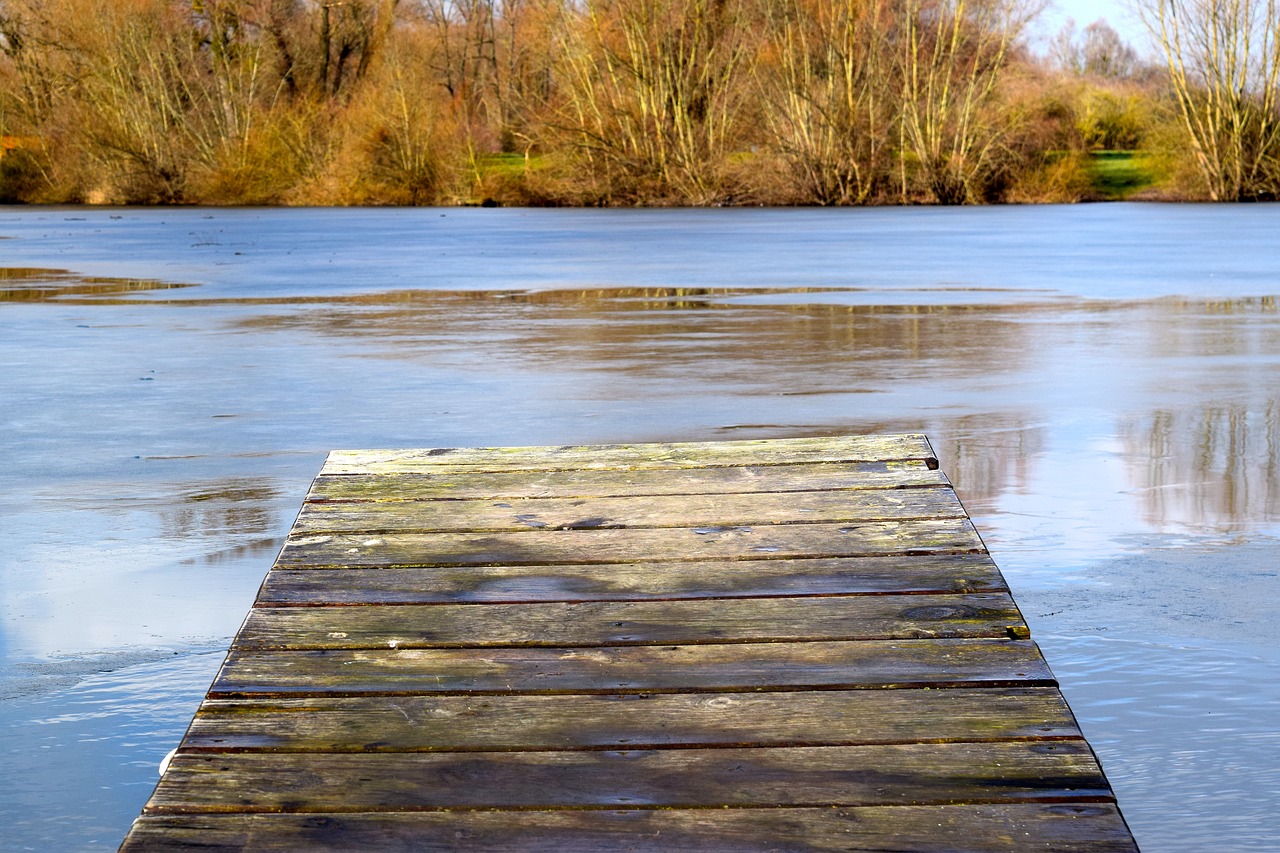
x=830 y=97
x=1223 y=60
x=652 y=94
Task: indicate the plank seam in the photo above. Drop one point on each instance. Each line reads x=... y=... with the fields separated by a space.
x=629 y=746
x=427 y=469
x=1051 y=799
x=311 y=693
x=798 y=555
x=569 y=528
x=497 y=496
x=268 y=603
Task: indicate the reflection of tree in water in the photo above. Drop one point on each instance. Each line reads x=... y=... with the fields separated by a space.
x=227 y=520
x=784 y=343
x=1226 y=327
x=1211 y=468
x=745 y=339
x=251 y=548
x=201 y=522
x=988 y=455
x=1209 y=462
x=234 y=506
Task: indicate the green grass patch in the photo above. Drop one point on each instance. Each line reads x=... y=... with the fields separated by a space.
x=1117 y=175
x=509 y=165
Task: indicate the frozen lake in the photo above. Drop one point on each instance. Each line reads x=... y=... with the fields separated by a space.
x=1101 y=383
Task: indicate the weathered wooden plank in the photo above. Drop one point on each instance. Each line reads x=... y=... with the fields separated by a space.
x=460 y=723
x=932 y=573
x=774 y=541
x=746 y=479
x=1025 y=827
x=897 y=774
x=612 y=623
x=732 y=667
x=870 y=448
x=616 y=512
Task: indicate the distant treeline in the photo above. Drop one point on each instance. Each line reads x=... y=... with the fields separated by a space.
x=613 y=102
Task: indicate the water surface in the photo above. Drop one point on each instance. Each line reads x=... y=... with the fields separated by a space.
x=1100 y=383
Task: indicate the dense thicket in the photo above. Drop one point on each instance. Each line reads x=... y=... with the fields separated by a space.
x=592 y=102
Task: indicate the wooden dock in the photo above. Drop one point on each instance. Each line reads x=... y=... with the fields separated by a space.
x=787 y=645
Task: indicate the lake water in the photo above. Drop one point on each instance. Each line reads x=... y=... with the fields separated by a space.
x=1101 y=383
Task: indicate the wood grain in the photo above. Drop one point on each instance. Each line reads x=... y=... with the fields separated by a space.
x=515 y=514
x=1024 y=827
x=634 y=721
x=927 y=573
x=575 y=483
x=610 y=623
x=533 y=546
x=739 y=667
x=869 y=448
x=896 y=774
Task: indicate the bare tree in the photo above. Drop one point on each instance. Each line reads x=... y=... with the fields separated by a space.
x=238 y=87
x=32 y=83
x=21 y=42
x=1098 y=52
x=830 y=96
x=1223 y=59
x=952 y=54
x=136 y=86
x=409 y=146
x=1105 y=53
x=652 y=90
x=351 y=34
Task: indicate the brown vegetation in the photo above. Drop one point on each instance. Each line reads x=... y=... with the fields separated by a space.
x=1223 y=59
x=691 y=102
